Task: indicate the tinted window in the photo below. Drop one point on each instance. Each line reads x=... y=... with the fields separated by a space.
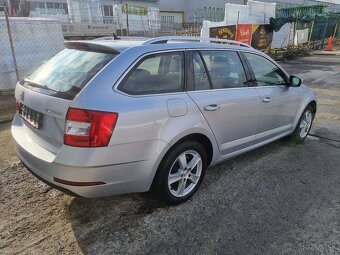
x=225 y=69
x=200 y=75
x=266 y=73
x=159 y=73
x=67 y=72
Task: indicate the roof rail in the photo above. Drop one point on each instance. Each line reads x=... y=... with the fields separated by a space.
x=165 y=39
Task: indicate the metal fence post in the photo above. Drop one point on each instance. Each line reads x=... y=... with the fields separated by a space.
x=311 y=31
x=127 y=19
x=335 y=30
x=324 y=34
x=11 y=43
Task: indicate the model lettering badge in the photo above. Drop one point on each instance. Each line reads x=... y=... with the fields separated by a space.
x=53 y=112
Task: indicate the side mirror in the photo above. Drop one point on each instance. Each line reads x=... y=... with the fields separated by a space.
x=294 y=81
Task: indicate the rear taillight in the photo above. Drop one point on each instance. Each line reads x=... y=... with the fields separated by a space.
x=86 y=128
x=17 y=106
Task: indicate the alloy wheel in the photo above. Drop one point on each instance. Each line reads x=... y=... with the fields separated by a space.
x=305 y=123
x=185 y=173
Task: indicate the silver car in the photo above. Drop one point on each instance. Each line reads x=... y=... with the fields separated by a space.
x=106 y=117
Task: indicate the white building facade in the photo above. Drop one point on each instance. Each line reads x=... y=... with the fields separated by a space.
x=193 y=11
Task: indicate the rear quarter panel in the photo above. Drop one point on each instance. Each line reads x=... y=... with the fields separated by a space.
x=141 y=118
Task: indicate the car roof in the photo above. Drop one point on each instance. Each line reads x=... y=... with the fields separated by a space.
x=122 y=44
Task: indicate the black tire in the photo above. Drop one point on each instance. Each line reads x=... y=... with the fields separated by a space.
x=296 y=135
x=161 y=187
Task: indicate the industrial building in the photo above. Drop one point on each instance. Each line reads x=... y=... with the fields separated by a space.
x=172 y=14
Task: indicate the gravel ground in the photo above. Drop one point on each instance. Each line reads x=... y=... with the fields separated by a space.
x=280 y=199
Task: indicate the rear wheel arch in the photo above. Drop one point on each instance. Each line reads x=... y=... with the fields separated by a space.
x=200 y=138
x=177 y=179
x=197 y=137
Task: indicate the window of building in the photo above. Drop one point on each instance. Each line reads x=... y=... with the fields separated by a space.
x=107 y=10
x=65 y=8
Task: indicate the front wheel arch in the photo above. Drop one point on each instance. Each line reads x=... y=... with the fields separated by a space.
x=313 y=105
x=296 y=134
x=301 y=110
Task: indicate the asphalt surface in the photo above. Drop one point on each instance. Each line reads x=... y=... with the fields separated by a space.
x=322 y=74
x=282 y=198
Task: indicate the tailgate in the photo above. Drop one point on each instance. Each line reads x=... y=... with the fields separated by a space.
x=51 y=112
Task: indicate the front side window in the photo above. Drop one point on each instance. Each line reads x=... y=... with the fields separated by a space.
x=225 y=69
x=266 y=73
x=158 y=73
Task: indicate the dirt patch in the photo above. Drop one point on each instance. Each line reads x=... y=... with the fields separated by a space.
x=331 y=102
x=7 y=106
x=7 y=153
x=328 y=92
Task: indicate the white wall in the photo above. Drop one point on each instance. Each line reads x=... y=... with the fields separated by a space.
x=284 y=36
x=253 y=13
x=189 y=6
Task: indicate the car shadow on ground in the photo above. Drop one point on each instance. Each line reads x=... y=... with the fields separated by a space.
x=112 y=217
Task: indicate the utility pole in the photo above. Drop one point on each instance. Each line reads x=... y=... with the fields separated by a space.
x=194 y=23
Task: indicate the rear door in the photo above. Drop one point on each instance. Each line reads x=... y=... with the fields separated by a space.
x=44 y=97
x=223 y=92
x=278 y=101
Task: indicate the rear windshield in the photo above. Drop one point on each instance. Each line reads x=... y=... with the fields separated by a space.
x=66 y=73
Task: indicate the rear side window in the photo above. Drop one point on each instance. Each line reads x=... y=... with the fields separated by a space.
x=66 y=73
x=201 y=79
x=154 y=74
x=266 y=73
x=225 y=69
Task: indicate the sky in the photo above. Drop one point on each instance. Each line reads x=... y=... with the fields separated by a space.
x=330 y=1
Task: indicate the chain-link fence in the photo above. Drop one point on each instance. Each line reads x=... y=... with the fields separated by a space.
x=299 y=39
x=27 y=42
x=24 y=44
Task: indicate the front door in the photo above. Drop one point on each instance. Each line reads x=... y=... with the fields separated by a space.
x=279 y=102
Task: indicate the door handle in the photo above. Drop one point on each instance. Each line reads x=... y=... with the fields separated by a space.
x=211 y=107
x=266 y=99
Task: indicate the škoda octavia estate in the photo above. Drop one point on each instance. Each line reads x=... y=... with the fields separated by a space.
x=105 y=117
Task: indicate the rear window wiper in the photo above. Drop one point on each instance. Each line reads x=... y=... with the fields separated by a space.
x=39 y=85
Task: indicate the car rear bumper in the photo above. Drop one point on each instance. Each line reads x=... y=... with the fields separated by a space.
x=115 y=169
